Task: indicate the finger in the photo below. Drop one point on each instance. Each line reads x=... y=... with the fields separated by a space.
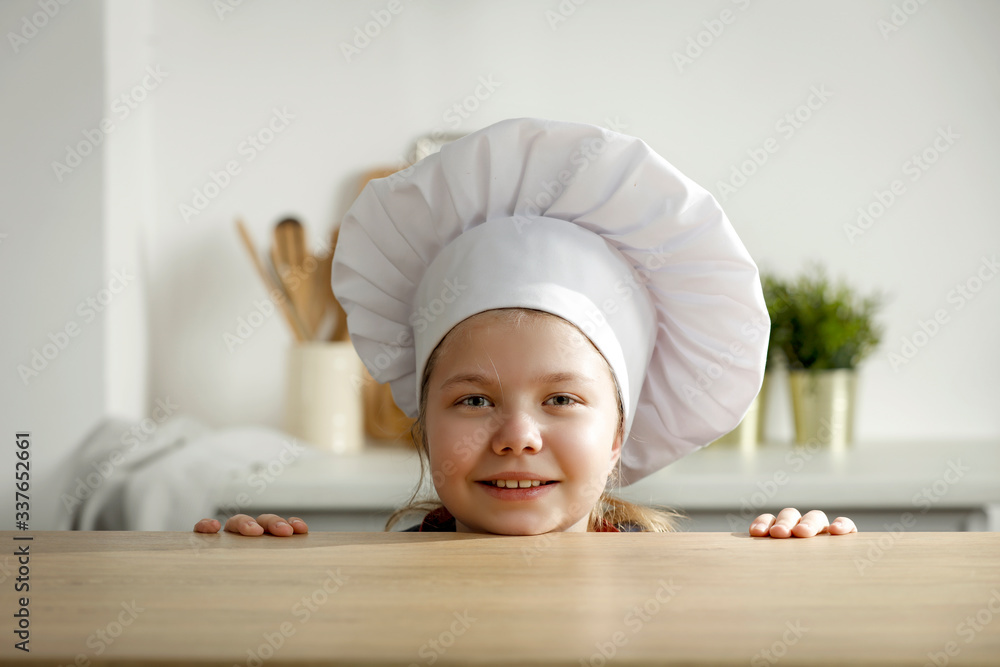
x=841 y=526
x=761 y=525
x=812 y=523
x=242 y=524
x=275 y=525
x=782 y=526
x=207 y=526
x=298 y=525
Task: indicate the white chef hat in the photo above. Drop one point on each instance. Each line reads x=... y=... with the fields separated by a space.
x=584 y=223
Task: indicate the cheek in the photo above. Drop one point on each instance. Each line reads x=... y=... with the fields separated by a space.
x=593 y=439
x=458 y=437
x=585 y=455
x=449 y=448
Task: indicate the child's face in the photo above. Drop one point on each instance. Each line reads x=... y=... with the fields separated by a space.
x=500 y=417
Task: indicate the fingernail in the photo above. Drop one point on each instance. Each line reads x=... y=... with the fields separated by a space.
x=282 y=523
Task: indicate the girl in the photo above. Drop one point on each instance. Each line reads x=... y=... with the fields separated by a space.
x=562 y=311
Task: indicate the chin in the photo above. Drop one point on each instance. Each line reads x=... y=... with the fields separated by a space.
x=521 y=530
x=523 y=526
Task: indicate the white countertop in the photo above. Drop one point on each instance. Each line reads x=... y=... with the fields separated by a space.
x=915 y=476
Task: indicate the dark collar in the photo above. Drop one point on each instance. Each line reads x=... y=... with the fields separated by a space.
x=441 y=521
x=438 y=521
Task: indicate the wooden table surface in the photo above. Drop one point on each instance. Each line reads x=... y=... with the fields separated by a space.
x=130 y=598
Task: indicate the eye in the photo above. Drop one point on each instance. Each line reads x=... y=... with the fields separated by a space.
x=480 y=401
x=563 y=399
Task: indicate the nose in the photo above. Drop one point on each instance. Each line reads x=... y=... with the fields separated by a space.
x=517 y=433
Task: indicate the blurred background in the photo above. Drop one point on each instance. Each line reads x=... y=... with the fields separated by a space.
x=860 y=134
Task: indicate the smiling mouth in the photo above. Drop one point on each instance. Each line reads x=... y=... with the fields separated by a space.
x=515 y=483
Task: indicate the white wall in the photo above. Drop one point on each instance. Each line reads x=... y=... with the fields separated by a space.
x=52 y=250
x=889 y=94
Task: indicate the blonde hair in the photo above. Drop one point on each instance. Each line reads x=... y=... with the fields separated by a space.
x=608 y=509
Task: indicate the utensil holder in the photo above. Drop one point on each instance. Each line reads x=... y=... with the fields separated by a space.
x=323 y=399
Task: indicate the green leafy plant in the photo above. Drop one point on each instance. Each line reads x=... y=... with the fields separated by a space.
x=818 y=325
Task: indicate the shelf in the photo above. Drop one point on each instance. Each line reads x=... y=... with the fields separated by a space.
x=907 y=476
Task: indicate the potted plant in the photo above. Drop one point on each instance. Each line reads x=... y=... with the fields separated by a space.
x=824 y=332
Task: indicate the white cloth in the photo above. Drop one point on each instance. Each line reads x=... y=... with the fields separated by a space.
x=585 y=223
x=166 y=480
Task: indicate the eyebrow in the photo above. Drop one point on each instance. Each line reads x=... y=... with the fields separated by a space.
x=548 y=378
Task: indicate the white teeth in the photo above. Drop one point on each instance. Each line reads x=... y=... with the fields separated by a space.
x=515 y=483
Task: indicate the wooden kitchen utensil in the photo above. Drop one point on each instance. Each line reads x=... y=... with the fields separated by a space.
x=296 y=266
x=298 y=330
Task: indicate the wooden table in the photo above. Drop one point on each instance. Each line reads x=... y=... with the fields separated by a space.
x=121 y=598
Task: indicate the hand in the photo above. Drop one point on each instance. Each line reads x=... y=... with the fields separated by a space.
x=790 y=523
x=247 y=525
